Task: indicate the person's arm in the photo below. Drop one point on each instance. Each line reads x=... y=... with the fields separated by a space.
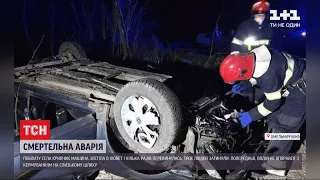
x=246 y=85
x=237 y=41
x=249 y=89
x=243 y=87
x=272 y=89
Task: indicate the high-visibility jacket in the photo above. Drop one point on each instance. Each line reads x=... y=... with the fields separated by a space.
x=250 y=35
x=274 y=71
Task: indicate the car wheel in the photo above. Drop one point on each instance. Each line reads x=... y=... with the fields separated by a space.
x=147 y=116
x=71 y=50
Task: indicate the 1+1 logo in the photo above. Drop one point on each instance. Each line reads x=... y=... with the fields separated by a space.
x=292 y=15
x=34 y=129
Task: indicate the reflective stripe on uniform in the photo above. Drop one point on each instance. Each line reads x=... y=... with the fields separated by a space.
x=278 y=94
x=273 y=95
x=264 y=42
x=262 y=110
x=257 y=42
x=253 y=81
x=285 y=93
x=235 y=52
x=290 y=69
x=237 y=41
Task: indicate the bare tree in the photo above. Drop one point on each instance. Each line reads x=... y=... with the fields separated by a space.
x=215 y=29
x=16 y=95
x=103 y=20
x=87 y=18
x=122 y=48
x=138 y=28
x=25 y=26
x=51 y=15
x=123 y=23
x=126 y=25
x=77 y=19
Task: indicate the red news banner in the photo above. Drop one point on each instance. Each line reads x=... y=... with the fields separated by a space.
x=35 y=138
x=35 y=130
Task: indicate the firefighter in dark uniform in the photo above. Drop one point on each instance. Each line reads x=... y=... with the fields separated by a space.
x=282 y=78
x=253 y=32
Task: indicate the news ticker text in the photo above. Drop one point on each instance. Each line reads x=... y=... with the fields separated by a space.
x=157 y=161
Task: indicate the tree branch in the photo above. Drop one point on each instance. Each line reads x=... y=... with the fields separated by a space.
x=213 y=33
x=36 y=49
x=18 y=90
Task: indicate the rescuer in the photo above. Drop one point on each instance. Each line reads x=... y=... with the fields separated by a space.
x=255 y=31
x=282 y=78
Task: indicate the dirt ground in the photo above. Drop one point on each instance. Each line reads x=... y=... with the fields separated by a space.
x=294 y=174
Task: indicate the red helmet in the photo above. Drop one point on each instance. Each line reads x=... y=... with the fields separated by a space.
x=237 y=67
x=261 y=6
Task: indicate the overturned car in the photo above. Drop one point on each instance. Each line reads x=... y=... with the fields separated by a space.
x=133 y=110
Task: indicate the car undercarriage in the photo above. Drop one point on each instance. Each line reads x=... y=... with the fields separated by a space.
x=131 y=104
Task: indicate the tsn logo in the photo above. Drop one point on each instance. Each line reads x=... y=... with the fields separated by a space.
x=34 y=129
x=292 y=15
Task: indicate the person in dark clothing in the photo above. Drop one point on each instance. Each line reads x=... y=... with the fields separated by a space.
x=255 y=31
x=282 y=78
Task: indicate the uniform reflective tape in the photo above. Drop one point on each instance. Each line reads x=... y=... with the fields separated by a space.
x=285 y=93
x=253 y=81
x=237 y=41
x=267 y=42
x=235 y=52
x=248 y=43
x=264 y=42
x=278 y=94
x=257 y=43
x=252 y=43
x=274 y=95
x=290 y=69
x=262 y=110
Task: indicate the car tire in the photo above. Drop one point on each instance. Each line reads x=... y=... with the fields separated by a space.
x=166 y=104
x=71 y=50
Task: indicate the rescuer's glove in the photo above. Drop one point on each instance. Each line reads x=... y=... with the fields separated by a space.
x=237 y=89
x=244 y=118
